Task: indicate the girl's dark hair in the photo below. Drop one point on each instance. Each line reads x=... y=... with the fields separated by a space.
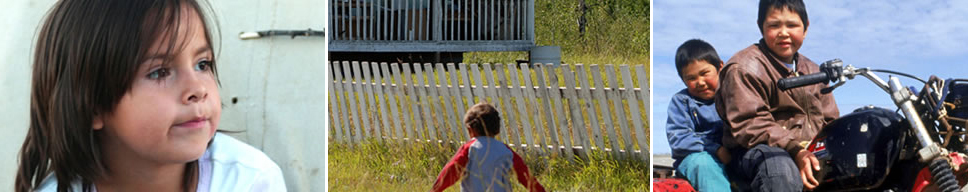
x=85 y=59
x=483 y=119
x=796 y=6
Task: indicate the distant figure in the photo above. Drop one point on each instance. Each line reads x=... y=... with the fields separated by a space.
x=583 y=9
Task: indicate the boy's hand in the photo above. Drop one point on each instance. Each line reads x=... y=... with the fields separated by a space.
x=806 y=161
x=723 y=155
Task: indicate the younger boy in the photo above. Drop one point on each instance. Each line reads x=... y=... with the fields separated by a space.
x=484 y=163
x=694 y=128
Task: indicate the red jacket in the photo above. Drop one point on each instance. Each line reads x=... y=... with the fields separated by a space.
x=488 y=159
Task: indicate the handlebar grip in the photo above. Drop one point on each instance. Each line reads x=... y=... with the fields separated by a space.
x=794 y=82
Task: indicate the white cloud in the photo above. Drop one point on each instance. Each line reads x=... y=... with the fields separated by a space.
x=879 y=33
x=722 y=24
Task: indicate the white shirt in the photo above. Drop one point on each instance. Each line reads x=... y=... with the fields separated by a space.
x=227 y=165
x=792 y=66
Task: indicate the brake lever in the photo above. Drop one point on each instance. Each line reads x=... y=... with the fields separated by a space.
x=831 y=88
x=840 y=73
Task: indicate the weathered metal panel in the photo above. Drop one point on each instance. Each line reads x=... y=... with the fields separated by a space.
x=426 y=46
x=280 y=103
x=432 y=25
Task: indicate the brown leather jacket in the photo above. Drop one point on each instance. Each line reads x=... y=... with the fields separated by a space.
x=755 y=111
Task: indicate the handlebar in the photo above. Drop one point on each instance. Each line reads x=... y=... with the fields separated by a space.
x=799 y=81
x=835 y=71
x=830 y=71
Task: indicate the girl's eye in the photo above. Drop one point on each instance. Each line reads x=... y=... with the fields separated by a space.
x=159 y=73
x=203 y=65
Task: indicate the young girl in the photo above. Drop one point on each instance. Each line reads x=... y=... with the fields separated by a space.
x=125 y=98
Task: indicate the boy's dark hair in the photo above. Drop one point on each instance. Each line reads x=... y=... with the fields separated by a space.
x=796 y=6
x=696 y=50
x=483 y=119
x=85 y=60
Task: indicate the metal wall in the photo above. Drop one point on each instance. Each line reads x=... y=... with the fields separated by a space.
x=431 y=25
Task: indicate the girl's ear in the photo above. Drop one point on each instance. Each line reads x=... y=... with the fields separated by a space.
x=470 y=131
x=97 y=123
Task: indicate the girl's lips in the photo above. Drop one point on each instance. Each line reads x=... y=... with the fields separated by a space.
x=194 y=124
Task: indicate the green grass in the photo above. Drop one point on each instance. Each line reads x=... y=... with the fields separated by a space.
x=394 y=166
x=616 y=32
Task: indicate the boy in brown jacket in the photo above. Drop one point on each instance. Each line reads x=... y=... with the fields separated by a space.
x=767 y=128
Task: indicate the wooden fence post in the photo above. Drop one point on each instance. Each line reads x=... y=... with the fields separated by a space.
x=372 y=100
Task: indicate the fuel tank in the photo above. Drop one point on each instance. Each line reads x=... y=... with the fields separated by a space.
x=858 y=150
x=958 y=95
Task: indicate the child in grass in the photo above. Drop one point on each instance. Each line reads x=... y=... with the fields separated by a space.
x=694 y=128
x=125 y=97
x=484 y=163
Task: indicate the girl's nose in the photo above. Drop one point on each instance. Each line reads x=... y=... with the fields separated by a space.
x=194 y=90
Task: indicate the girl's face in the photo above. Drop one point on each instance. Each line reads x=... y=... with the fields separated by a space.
x=173 y=108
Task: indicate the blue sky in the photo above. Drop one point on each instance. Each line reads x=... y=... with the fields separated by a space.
x=922 y=38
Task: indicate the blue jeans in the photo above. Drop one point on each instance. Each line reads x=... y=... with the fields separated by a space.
x=765 y=168
x=704 y=172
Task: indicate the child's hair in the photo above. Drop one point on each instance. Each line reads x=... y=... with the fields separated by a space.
x=695 y=50
x=796 y=6
x=483 y=119
x=85 y=61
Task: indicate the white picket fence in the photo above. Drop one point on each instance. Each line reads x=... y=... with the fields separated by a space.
x=542 y=106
